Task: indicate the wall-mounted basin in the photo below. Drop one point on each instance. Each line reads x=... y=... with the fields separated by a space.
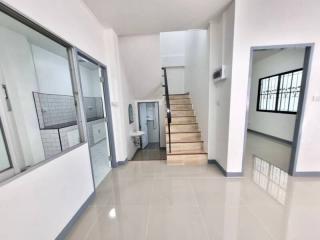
x=137 y=134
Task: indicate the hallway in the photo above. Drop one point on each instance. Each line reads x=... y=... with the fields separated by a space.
x=151 y=152
x=151 y=200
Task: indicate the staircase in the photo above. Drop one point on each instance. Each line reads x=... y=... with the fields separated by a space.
x=186 y=145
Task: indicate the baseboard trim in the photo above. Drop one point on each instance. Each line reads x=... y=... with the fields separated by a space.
x=224 y=172
x=63 y=234
x=270 y=136
x=306 y=174
x=122 y=162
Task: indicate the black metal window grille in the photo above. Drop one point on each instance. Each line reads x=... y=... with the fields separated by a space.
x=280 y=93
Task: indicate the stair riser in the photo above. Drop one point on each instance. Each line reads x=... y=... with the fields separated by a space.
x=180 y=101
x=175 y=147
x=183 y=128
x=172 y=97
x=184 y=137
x=181 y=107
x=182 y=113
x=197 y=159
x=183 y=120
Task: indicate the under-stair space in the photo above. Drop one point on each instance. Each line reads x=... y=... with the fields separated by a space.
x=186 y=145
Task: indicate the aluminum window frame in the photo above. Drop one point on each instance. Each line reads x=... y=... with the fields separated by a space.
x=76 y=87
x=279 y=75
x=3 y=135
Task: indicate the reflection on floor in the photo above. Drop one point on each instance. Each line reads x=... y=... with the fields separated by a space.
x=100 y=161
x=151 y=152
x=276 y=152
x=149 y=200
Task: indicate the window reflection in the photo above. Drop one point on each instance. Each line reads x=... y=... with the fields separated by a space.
x=37 y=105
x=271 y=179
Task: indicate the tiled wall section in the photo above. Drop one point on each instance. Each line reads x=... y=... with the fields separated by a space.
x=60 y=109
x=38 y=109
x=50 y=142
x=55 y=109
x=93 y=107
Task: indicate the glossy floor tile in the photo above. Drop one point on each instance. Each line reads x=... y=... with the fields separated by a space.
x=148 y=200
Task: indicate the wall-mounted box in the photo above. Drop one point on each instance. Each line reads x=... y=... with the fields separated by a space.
x=219 y=74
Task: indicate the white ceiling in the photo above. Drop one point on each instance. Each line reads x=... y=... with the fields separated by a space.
x=128 y=17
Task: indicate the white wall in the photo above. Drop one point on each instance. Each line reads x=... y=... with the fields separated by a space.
x=173 y=51
x=141 y=59
x=141 y=78
x=33 y=205
x=41 y=188
x=90 y=81
x=274 y=124
x=196 y=77
x=52 y=70
x=172 y=48
x=263 y=23
x=221 y=45
x=176 y=80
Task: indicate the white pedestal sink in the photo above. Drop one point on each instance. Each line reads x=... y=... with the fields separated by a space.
x=136 y=137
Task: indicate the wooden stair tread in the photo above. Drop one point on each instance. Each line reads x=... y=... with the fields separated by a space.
x=180 y=104
x=189 y=141
x=188 y=131
x=179 y=94
x=196 y=131
x=180 y=110
x=182 y=116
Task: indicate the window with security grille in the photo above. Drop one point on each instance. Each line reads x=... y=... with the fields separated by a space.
x=280 y=93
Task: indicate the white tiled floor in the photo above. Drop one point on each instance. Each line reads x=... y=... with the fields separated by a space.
x=150 y=200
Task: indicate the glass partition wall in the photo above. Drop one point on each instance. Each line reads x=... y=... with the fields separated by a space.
x=41 y=105
x=94 y=106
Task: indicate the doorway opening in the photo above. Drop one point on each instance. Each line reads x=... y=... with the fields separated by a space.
x=278 y=79
x=149 y=123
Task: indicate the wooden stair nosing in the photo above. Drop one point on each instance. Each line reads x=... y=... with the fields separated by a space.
x=179 y=94
x=186 y=98
x=180 y=104
x=173 y=132
x=180 y=110
x=187 y=153
x=189 y=141
x=197 y=131
x=191 y=123
x=180 y=116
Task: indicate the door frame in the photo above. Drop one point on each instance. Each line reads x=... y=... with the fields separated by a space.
x=148 y=101
x=309 y=48
x=107 y=105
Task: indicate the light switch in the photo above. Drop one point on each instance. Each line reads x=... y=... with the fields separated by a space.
x=315 y=98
